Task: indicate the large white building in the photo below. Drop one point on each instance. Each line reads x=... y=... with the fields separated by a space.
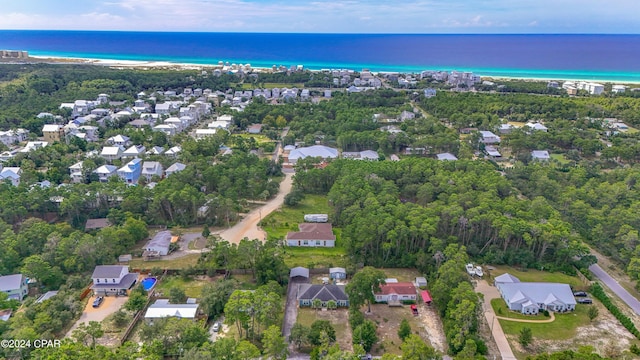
x=531 y=297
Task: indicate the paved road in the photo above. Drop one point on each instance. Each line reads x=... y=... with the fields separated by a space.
x=248 y=227
x=612 y=284
x=490 y=292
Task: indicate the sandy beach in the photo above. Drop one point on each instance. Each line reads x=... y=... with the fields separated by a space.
x=139 y=64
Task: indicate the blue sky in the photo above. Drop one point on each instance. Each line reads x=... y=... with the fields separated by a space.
x=349 y=16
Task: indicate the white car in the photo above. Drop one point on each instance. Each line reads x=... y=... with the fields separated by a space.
x=216 y=327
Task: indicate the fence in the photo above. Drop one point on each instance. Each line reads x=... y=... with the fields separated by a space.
x=136 y=318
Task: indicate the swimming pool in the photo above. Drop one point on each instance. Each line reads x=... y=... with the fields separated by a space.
x=148 y=283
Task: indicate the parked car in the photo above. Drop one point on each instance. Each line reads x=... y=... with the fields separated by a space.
x=216 y=327
x=580 y=294
x=414 y=310
x=584 y=301
x=98 y=301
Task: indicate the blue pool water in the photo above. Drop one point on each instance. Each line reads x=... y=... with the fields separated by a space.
x=148 y=283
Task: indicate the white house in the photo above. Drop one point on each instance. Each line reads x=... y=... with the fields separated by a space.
x=168 y=129
x=15 y=286
x=75 y=171
x=540 y=155
x=120 y=140
x=537 y=126
x=151 y=169
x=531 y=297
x=163 y=309
x=134 y=151
x=34 y=145
x=203 y=133
x=174 y=151
x=395 y=293
x=111 y=153
x=446 y=157
x=312 y=235
x=105 y=172
x=112 y=280
x=320 y=151
x=12 y=174
x=361 y=155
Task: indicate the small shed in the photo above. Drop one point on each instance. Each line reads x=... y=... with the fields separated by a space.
x=426 y=297
x=337 y=273
x=421 y=281
x=299 y=272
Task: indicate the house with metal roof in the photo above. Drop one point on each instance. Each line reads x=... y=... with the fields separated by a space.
x=446 y=157
x=540 y=155
x=320 y=151
x=159 y=244
x=299 y=271
x=337 y=273
x=307 y=293
x=163 y=309
x=531 y=297
x=15 y=286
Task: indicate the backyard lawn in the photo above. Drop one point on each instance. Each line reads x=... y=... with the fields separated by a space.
x=174 y=264
x=501 y=309
x=192 y=288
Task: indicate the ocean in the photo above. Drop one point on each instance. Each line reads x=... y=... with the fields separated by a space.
x=594 y=57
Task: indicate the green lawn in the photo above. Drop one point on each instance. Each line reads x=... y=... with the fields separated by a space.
x=402 y=274
x=260 y=139
x=560 y=158
x=531 y=275
x=315 y=257
x=563 y=328
x=192 y=288
x=175 y=264
x=501 y=309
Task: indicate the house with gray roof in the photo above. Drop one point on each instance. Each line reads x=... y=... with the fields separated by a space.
x=337 y=273
x=15 y=286
x=361 y=155
x=531 y=297
x=446 y=157
x=540 y=155
x=159 y=244
x=112 y=280
x=320 y=151
x=307 y=293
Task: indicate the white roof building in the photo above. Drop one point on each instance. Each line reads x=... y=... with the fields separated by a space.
x=162 y=309
x=540 y=155
x=320 y=151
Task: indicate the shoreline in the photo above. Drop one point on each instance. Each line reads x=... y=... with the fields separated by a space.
x=146 y=64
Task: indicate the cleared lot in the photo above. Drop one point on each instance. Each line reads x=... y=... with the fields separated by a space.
x=110 y=305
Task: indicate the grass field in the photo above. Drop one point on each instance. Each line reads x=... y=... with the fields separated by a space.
x=192 y=288
x=260 y=139
x=402 y=274
x=531 y=275
x=315 y=257
x=280 y=222
x=563 y=328
x=174 y=264
x=501 y=309
x=560 y=158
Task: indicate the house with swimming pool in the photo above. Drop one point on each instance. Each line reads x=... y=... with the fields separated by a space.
x=115 y=280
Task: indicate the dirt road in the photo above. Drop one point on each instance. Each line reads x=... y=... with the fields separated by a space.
x=500 y=338
x=248 y=227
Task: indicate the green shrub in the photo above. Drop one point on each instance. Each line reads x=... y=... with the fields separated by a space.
x=598 y=292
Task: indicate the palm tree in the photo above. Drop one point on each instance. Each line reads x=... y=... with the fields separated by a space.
x=332 y=304
x=316 y=304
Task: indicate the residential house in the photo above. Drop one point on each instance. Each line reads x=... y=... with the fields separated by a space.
x=174 y=151
x=219 y=124
x=46 y=296
x=488 y=137
x=34 y=145
x=159 y=244
x=320 y=151
x=8 y=155
x=156 y=150
x=165 y=108
x=361 y=155
x=11 y=174
x=111 y=153
x=254 y=129
x=131 y=172
x=493 y=153
x=90 y=132
x=407 y=115
x=177 y=167
x=313 y=235
x=536 y=126
x=618 y=89
x=531 y=297
x=421 y=281
x=429 y=92
x=203 y=133
x=540 y=155
x=112 y=280
x=163 y=309
x=76 y=173
x=307 y=293
x=15 y=286
x=179 y=124
x=53 y=132
x=506 y=128
x=151 y=169
x=168 y=129
x=337 y=273
x=396 y=293
x=12 y=137
x=105 y=172
x=133 y=152
x=96 y=224
x=119 y=140
x=446 y=157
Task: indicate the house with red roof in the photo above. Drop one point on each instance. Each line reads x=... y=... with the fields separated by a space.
x=396 y=293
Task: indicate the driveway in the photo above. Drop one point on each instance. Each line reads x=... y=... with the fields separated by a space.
x=110 y=305
x=490 y=292
x=612 y=284
x=248 y=227
x=291 y=307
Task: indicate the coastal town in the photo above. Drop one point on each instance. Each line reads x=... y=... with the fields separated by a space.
x=154 y=212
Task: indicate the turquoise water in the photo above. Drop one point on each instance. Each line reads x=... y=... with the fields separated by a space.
x=148 y=283
x=593 y=57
